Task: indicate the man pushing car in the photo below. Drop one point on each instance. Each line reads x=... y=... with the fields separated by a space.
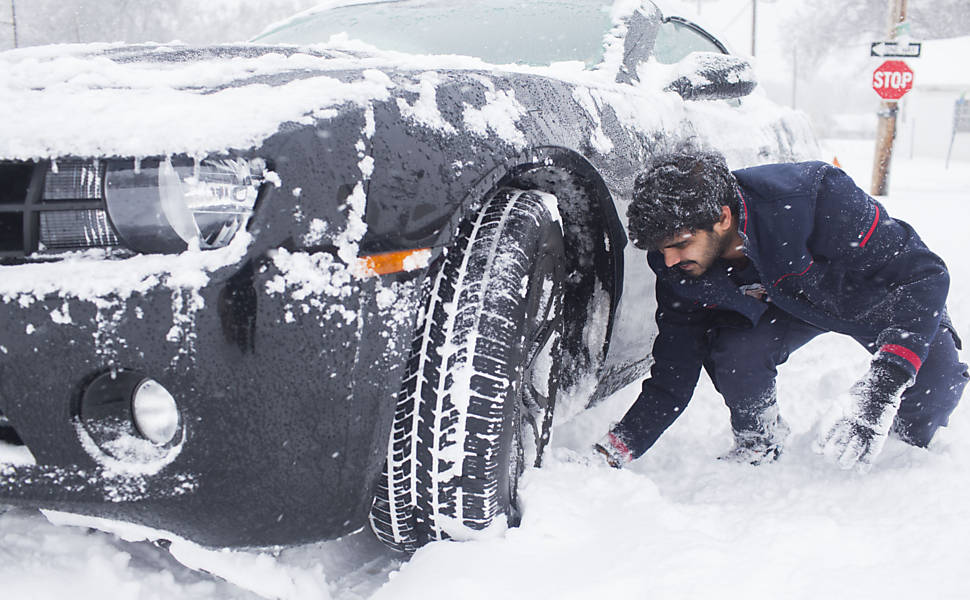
x=751 y=265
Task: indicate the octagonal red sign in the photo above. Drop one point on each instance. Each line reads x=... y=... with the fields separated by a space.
x=892 y=79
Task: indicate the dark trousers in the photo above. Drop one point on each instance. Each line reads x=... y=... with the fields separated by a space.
x=742 y=364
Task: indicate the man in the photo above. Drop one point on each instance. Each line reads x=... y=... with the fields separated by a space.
x=753 y=264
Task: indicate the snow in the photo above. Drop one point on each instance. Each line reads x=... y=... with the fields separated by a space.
x=16 y=455
x=499 y=115
x=316 y=280
x=130 y=455
x=551 y=204
x=676 y=524
x=417 y=260
x=425 y=109
x=256 y=572
x=601 y=142
x=35 y=81
x=935 y=66
x=86 y=276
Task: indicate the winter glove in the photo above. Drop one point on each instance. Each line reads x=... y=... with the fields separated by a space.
x=760 y=447
x=613 y=450
x=858 y=437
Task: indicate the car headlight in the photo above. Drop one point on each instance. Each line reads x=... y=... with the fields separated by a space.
x=170 y=205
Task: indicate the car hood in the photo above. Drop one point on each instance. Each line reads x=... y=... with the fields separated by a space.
x=122 y=100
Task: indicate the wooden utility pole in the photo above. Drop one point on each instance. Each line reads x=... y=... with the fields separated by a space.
x=13 y=22
x=886 y=133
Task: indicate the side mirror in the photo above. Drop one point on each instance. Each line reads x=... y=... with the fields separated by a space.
x=711 y=76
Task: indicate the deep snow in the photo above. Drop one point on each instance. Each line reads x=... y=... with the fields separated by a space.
x=677 y=524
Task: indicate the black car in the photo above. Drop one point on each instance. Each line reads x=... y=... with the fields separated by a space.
x=254 y=335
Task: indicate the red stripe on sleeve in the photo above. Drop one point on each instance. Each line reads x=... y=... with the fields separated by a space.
x=905 y=353
x=871 y=229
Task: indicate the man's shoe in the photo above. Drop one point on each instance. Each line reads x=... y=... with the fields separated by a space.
x=755 y=448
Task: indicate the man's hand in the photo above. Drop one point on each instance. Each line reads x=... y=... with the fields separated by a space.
x=858 y=437
x=613 y=450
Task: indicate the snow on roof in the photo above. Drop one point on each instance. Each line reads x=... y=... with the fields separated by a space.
x=941 y=64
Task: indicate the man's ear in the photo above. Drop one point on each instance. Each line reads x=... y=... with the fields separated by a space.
x=726 y=221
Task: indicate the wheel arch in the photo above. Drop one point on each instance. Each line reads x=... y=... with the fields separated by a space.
x=594 y=239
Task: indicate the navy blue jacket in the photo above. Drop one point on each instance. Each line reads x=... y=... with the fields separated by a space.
x=827 y=254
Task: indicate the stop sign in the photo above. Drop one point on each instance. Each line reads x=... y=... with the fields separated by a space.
x=892 y=79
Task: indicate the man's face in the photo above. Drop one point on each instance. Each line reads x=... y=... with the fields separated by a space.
x=692 y=252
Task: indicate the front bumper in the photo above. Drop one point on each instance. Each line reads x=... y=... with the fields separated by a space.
x=284 y=368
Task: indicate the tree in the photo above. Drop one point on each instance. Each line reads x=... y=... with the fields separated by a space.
x=824 y=28
x=84 y=21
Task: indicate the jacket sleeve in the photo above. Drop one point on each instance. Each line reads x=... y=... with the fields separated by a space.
x=888 y=258
x=678 y=353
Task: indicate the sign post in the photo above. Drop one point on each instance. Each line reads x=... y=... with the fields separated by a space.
x=961 y=123
x=891 y=80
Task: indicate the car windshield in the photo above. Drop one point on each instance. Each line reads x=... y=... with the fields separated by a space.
x=534 y=32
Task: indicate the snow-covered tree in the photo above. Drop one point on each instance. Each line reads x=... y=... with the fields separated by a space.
x=81 y=21
x=822 y=29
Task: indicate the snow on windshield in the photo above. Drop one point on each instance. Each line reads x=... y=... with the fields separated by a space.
x=537 y=32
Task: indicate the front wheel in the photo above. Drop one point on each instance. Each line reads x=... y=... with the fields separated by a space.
x=480 y=387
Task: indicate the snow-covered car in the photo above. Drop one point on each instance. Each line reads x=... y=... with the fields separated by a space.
x=255 y=294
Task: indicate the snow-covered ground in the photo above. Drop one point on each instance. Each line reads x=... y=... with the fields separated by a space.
x=678 y=524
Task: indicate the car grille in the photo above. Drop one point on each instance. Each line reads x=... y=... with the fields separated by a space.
x=52 y=206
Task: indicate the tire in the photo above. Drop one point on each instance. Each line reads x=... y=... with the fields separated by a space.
x=479 y=390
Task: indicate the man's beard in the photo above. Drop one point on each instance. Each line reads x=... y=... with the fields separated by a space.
x=717 y=247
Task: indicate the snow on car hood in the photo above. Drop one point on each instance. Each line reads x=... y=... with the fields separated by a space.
x=118 y=100
x=114 y=100
x=150 y=99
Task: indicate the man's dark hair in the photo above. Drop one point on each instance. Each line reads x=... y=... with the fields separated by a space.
x=679 y=191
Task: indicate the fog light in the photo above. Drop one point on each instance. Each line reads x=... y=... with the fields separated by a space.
x=128 y=421
x=154 y=412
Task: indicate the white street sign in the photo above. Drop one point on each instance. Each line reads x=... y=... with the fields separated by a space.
x=896 y=49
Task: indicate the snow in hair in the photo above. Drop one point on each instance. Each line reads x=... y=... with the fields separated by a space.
x=679 y=191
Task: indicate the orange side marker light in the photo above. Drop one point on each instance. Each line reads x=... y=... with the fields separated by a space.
x=391 y=262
